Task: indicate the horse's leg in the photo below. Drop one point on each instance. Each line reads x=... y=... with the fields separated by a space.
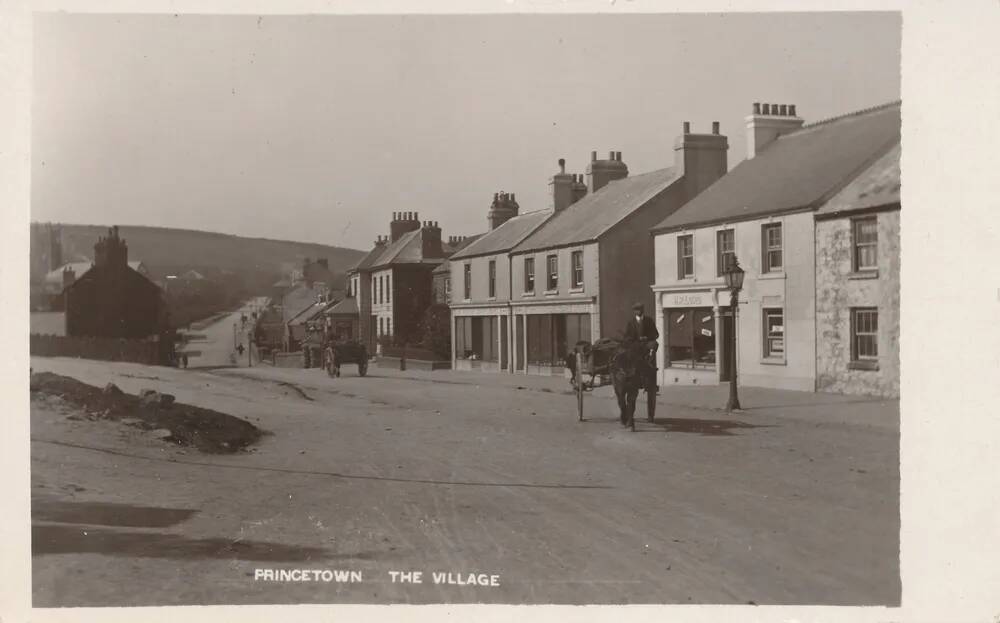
x=620 y=394
x=651 y=390
x=630 y=408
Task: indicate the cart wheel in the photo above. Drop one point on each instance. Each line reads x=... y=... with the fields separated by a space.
x=579 y=385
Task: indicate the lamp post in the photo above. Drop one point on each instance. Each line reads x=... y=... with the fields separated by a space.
x=734 y=281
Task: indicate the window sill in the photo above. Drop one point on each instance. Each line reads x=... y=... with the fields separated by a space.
x=491 y=299
x=863 y=274
x=576 y=290
x=773 y=361
x=526 y=294
x=862 y=365
x=551 y=292
x=466 y=300
x=777 y=274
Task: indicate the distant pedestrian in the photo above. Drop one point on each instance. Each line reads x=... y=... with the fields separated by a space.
x=184 y=359
x=240 y=349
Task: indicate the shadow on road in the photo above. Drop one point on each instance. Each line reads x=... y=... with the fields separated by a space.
x=46 y=539
x=108 y=514
x=679 y=425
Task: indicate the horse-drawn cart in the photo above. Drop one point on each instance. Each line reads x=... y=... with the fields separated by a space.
x=628 y=366
x=343 y=352
x=593 y=361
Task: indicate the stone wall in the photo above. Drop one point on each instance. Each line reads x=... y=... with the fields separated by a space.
x=838 y=290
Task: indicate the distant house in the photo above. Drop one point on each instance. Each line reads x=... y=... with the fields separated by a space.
x=342 y=319
x=113 y=299
x=812 y=217
x=393 y=283
x=576 y=276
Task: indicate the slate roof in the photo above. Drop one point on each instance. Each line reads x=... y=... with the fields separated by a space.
x=505 y=237
x=798 y=171
x=877 y=186
x=348 y=306
x=369 y=260
x=591 y=216
x=55 y=277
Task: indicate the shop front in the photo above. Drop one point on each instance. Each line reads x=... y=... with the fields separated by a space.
x=693 y=336
x=480 y=339
x=544 y=334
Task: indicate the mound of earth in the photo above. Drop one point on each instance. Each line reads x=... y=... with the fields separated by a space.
x=204 y=429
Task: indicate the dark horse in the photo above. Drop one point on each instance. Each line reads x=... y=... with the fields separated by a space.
x=633 y=367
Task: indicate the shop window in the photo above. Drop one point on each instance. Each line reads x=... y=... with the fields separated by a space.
x=685 y=256
x=690 y=338
x=467 y=282
x=552 y=272
x=774 y=333
x=493 y=278
x=864 y=336
x=529 y=274
x=577 y=257
x=726 y=250
x=865 y=242
x=772 y=251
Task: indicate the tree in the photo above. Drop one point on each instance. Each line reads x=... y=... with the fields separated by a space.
x=436 y=330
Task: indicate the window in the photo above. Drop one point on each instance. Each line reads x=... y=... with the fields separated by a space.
x=865 y=234
x=447 y=288
x=529 y=274
x=381 y=330
x=388 y=288
x=685 y=256
x=552 y=267
x=726 y=249
x=493 y=278
x=577 y=261
x=864 y=334
x=774 y=333
x=771 y=253
x=381 y=289
x=690 y=337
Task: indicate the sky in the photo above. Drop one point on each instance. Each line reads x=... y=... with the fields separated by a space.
x=317 y=128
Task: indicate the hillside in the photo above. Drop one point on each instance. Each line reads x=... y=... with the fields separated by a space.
x=165 y=250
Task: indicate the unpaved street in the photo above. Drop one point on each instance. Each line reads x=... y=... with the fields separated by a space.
x=460 y=473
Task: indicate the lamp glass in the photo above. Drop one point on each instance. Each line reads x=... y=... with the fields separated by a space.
x=734 y=276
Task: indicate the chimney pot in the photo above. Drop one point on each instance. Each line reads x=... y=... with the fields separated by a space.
x=496 y=196
x=416 y=216
x=618 y=156
x=756 y=108
x=791 y=110
x=512 y=197
x=562 y=165
x=715 y=127
x=611 y=155
x=687 y=127
x=766 y=110
x=593 y=156
x=783 y=110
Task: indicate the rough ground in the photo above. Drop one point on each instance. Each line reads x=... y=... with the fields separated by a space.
x=460 y=473
x=185 y=425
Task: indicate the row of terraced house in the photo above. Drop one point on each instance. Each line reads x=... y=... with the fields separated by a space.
x=812 y=214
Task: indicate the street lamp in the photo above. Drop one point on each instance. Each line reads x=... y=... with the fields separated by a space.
x=734 y=281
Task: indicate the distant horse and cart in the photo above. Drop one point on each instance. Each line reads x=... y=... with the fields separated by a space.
x=629 y=366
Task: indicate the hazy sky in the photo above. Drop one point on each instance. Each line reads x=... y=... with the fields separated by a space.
x=318 y=128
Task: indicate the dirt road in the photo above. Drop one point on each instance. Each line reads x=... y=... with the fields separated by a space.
x=387 y=474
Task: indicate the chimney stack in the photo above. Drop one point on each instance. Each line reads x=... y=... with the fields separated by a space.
x=503 y=208
x=601 y=172
x=430 y=241
x=700 y=158
x=561 y=188
x=766 y=123
x=402 y=223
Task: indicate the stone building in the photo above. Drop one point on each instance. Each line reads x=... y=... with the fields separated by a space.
x=857 y=284
x=111 y=299
x=764 y=213
x=481 y=290
x=576 y=277
x=441 y=276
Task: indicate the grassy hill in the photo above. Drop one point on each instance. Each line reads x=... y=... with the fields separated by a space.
x=166 y=251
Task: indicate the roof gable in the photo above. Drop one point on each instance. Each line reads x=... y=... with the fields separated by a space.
x=798 y=171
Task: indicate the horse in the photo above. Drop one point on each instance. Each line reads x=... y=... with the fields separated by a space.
x=632 y=368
